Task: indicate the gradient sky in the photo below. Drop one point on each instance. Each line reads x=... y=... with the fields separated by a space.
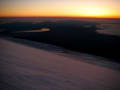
x=74 y=8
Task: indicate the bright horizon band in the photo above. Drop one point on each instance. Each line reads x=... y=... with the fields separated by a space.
x=60 y=8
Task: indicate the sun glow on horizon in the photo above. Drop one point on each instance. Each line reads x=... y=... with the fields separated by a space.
x=96 y=12
x=63 y=8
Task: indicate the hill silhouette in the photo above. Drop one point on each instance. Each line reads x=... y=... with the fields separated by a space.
x=74 y=35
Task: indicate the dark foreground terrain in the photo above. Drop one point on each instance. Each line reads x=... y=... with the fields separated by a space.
x=74 y=35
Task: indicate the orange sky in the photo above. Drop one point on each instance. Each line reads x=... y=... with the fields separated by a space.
x=70 y=8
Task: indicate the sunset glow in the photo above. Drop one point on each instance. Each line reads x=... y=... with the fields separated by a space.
x=67 y=8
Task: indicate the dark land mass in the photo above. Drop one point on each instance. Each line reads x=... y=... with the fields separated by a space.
x=73 y=35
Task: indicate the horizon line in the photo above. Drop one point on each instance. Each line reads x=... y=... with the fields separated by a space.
x=59 y=17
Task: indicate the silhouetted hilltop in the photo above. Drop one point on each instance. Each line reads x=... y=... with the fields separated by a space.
x=74 y=35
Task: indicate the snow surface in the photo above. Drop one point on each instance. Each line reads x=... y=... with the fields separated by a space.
x=26 y=68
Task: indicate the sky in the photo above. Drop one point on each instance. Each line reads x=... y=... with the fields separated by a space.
x=67 y=8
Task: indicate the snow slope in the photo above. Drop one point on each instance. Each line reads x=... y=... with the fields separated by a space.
x=26 y=68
